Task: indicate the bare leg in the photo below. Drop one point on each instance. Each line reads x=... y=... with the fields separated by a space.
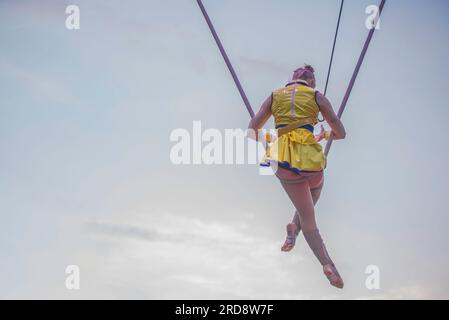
x=300 y=194
x=316 y=192
x=294 y=228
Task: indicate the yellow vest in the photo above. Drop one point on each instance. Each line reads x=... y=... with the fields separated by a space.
x=296 y=150
x=304 y=106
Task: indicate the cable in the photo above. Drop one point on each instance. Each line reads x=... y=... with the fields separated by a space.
x=354 y=76
x=333 y=47
x=226 y=59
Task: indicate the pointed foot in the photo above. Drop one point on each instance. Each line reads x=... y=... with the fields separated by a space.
x=290 y=241
x=333 y=276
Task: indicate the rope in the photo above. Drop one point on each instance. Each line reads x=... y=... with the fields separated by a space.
x=333 y=47
x=226 y=59
x=332 y=54
x=354 y=77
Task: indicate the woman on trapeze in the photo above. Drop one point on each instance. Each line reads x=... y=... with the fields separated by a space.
x=299 y=158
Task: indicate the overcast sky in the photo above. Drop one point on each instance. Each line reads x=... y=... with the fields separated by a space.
x=86 y=178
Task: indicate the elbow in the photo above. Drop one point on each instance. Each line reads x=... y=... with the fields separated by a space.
x=252 y=132
x=341 y=135
x=251 y=125
x=338 y=130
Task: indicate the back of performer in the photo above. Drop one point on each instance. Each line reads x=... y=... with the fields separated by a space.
x=298 y=157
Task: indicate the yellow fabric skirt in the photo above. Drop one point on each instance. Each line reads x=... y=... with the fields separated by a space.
x=296 y=151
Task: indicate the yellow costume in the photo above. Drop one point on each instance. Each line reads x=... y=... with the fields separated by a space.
x=295 y=111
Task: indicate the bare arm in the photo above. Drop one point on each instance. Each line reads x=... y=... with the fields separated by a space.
x=261 y=117
x=329 y=115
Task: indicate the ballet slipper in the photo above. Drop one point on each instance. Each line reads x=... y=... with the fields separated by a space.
x=333 y=276
x=291 y=237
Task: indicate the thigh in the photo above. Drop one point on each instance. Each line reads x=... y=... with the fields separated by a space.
x=316 y=185
x=301 y=197
x=288 y=176
x=314 y=180
x=316 y=193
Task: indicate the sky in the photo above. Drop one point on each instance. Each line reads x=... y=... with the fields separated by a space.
x=85 y=171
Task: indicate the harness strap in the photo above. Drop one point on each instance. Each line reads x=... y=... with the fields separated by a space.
x=297 y=124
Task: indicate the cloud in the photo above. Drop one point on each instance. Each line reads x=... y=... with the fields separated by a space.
x=169 y=256
x=174 y=229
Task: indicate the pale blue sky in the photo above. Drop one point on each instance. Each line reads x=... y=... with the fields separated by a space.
x=85 y=174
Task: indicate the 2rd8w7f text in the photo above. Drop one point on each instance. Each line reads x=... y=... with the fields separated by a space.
x=235 y=309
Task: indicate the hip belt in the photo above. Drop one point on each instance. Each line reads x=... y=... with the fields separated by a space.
x=305 y=123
